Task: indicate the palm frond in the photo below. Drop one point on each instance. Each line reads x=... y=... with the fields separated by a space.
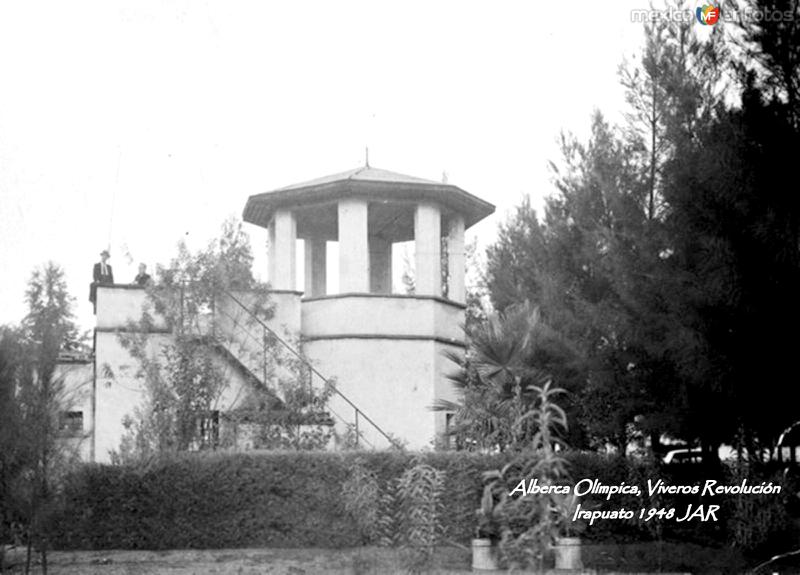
x=445 y=405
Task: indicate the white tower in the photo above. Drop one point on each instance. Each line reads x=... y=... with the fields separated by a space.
x=383 y=349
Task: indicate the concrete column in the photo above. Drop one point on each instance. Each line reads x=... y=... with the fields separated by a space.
x=455 y=259
x=380 y=265
x=282 y=257
x=428 y=248
x=315 y=268
x=271 y=252
x=353 y=248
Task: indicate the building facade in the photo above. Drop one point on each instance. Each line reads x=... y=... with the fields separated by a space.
x=383 y=351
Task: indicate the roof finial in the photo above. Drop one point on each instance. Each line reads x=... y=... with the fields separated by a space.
x=444 y=176
x=366 y=161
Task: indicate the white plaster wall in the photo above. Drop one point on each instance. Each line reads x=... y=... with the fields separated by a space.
x=449 y=320
x=443 y=388
x=392 y=315
x=244 y=337
x=78 y=379
x=353 y=245
x=120 y=388
x=119 y=305
x=286 y=318
x=393 y=381
x=119 y=385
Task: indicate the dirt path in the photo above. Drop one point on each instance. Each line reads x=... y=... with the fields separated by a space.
x=243 y=561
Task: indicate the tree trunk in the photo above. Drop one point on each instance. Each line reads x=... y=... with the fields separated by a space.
x=45 y=491
x=3 y=498
x=710 y=450
x=622 y=444
x=28 y=552
x=651 y=208
x=655 y=444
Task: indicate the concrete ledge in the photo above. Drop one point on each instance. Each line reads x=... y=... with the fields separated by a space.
x=443 y=340
x=120 y=286
x=125 y=329
x=398 y=296
x=286 y=291
x=119 y=304
x=385 y=316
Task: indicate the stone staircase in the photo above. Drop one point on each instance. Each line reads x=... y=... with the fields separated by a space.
x=266 y=357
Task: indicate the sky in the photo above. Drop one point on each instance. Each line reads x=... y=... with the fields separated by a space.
x=132 y=125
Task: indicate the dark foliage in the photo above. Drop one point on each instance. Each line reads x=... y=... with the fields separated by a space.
x=670 y=252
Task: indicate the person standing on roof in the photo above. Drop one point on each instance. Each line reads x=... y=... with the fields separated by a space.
x=102 y=274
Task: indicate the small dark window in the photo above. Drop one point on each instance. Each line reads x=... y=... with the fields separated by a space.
x=71 y=423
x=448 y=431
x=209 y=430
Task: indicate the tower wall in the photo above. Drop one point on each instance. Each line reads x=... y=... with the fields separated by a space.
x=119 y=385
x=386 y=355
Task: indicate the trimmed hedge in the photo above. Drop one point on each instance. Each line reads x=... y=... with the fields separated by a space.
x=293 y=499
x=277 y=499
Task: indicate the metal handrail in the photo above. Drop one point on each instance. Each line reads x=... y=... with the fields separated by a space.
x=239 y=326
x=310 y=366
x=249 y=334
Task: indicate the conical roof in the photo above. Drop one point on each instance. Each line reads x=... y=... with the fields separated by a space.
x=372 y=184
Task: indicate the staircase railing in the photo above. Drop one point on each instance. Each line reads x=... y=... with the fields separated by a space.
x=267 y=333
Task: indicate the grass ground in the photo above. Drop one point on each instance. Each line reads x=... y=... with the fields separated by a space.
x=245 y=562
x=629 y=558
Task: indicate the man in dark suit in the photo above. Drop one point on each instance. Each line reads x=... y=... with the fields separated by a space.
x=101 y=275
x=143 y=278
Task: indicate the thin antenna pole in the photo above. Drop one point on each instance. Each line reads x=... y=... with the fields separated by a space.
x=366 y=161
x=114 y=199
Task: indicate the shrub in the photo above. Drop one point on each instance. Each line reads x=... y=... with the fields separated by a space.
x=760 y=523
x=414 y=518
x=361 y=495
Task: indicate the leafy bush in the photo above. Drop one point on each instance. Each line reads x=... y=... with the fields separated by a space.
x=413 y=522
x=760 y=523
x=361 y=495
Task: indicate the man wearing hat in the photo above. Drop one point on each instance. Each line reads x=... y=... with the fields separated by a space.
x=101 y=275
